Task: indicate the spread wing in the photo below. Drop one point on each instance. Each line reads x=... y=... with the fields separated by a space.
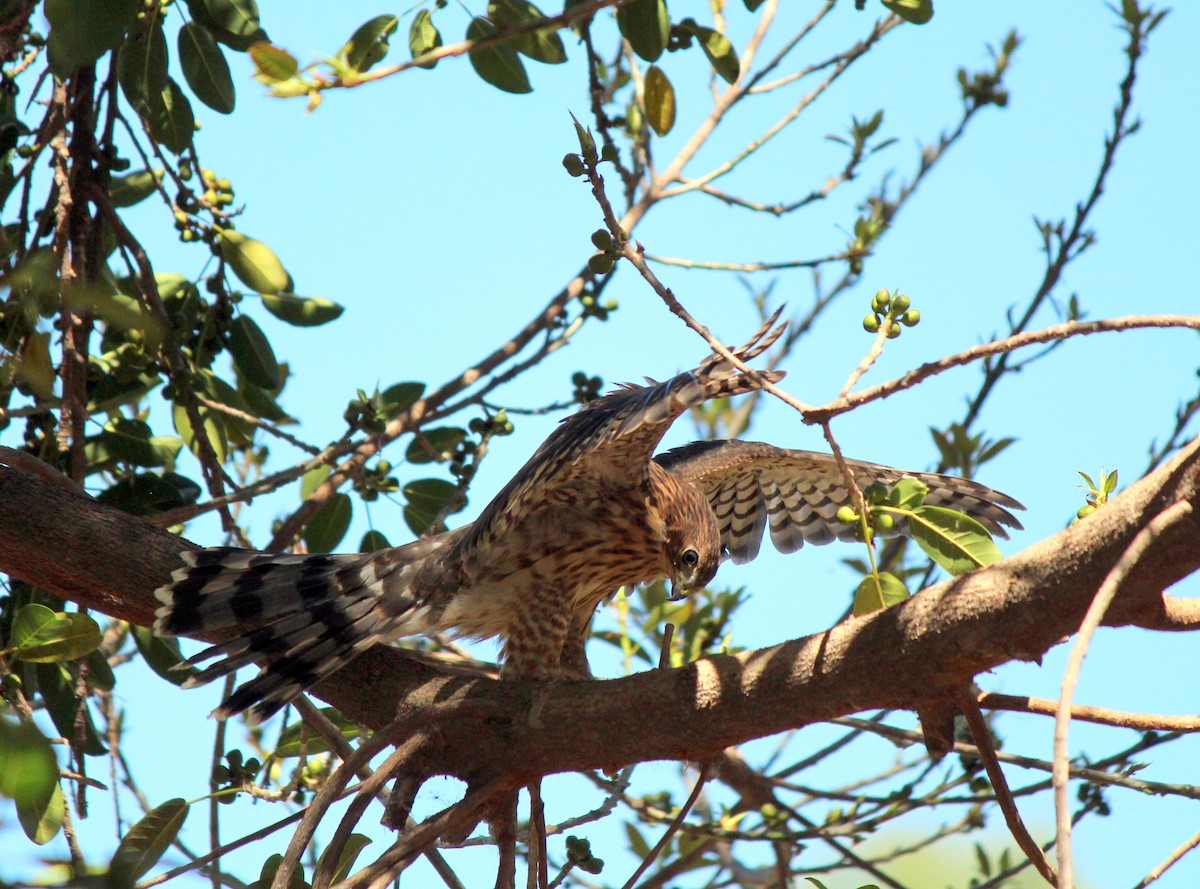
x=609 y=441
x=753 y=487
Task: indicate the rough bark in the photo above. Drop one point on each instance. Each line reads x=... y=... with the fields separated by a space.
x=921 y=650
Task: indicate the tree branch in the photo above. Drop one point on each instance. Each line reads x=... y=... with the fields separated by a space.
x=1017 y=609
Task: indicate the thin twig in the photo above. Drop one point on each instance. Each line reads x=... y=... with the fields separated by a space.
x=1142 y=722
x=1170 y=860
x=1008 y=344
x=987 y=754
x=1091 y=621
x=673 y=828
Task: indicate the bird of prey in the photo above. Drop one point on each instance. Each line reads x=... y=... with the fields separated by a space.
x=590 y=512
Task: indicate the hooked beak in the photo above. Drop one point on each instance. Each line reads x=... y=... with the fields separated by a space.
x=678 y=592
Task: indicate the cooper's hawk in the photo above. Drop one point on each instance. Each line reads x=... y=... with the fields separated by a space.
x=590 y=512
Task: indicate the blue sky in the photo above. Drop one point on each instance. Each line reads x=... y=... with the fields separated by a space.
x=436 y=210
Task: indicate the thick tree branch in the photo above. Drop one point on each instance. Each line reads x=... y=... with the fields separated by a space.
x=1017 y=609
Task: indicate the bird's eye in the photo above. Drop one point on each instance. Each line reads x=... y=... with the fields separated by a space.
x=690 y=558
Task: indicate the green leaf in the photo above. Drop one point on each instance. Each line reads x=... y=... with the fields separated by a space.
x=659 y=98
x=233 y=22
x=908 y=493
x=142 y=74
x=430 y=445
x=274 y=64
x=162 y=655
x=637 y=843
x=298 y=738
x=140 y=848
x=372 y=542
x=81 y=31
x=426 y=497
x=355 y=843
x=955 y=541
x=252 y=353
x=133 y=188
x=877 y=592
x=253 y=262
x=543 y=46
x=44 y=636
x=58 y=685
x=646 y=25
x=329 y=525
x=499 y=64
x=266 y=876
x=99 y=672
x=313 y=479
x=423 y=37
x=36 y=370
x=205 y=68
x=213 y=425
x=301 y=311
x=262 y=403
x=28 y=767
x=149 y=493
x=169 y=118
x=916 y=12
x=42 y=818
x=396 y=399
x=133 y=442
x=719 y=50
x=369 y=44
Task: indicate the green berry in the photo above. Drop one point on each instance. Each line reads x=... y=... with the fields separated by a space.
x=911 y=318
x=884 y=523
x=573 y=164
x=871 y=323
x=846 y=515
x=881 y=300
x=900 y=305
x=600 y=264
x=893 y=331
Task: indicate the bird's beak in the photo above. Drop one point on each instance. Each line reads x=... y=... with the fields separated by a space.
x=678 y=592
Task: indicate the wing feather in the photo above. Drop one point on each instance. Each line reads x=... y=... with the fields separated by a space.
x=753 y=487
x=610 y=440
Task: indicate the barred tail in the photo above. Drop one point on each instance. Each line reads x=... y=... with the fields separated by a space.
x=310 y=615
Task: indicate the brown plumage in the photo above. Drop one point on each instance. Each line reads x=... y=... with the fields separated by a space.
x=588 y=513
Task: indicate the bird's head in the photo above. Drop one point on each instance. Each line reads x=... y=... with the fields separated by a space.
x=693 y=544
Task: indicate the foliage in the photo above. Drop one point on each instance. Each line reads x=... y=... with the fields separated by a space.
x=154 y=386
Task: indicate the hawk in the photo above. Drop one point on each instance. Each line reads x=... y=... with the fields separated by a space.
x=590 y=512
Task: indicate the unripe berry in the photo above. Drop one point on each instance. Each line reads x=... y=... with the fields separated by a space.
x=871 y=324
x=573 y=164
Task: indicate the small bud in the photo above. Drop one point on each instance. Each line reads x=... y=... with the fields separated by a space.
x=1085 y=511
x=609 y=153
x=602 y=239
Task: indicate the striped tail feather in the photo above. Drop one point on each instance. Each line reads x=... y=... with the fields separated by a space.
x=311 y=615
